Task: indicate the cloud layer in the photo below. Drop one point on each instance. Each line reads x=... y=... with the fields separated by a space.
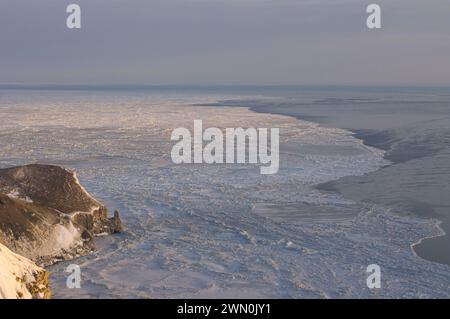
x=225 y=42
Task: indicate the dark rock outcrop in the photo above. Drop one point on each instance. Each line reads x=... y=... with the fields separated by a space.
x=46 y=215
x=39 y=233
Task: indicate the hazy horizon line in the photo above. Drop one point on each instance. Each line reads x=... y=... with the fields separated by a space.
x=79 y=86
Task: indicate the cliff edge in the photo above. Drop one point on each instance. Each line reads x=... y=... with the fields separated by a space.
x=46 y=216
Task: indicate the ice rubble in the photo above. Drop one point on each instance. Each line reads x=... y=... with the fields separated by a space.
x=193 y=232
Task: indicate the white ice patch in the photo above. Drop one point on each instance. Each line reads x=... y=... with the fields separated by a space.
x=65 y=236
x=190 y=228
x=16 y=195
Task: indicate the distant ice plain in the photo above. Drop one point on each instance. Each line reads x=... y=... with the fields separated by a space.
x=215 y=231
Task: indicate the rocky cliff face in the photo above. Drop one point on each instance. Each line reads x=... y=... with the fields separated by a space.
x=47 y=216
x=41 y=234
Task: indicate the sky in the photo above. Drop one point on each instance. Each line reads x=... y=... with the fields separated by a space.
x=225 y=42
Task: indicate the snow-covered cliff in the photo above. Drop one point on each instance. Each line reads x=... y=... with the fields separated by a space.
x=46 y=216
x=20 y=278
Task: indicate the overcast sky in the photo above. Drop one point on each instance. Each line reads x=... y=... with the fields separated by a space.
x=225 y=42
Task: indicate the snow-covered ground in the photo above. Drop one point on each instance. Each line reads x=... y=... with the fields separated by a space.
x=20 y=278
x=215 y=230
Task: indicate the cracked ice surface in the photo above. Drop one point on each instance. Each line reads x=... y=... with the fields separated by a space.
x=217 y=230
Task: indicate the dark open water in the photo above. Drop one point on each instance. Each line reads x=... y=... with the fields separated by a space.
x=411 y=124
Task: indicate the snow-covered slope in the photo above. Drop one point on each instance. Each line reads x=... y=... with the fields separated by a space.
x=21 y=278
